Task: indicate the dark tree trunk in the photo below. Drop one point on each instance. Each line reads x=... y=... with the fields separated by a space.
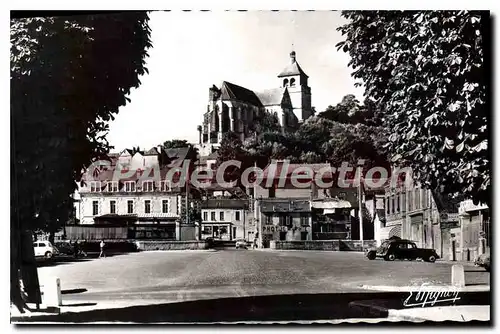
x=29 y=272
x=15 y=264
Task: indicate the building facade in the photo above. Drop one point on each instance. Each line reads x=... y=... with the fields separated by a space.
x=233 y=108
x=428 y=218
x=226 y=219
x=475 y=231
x=120 y=194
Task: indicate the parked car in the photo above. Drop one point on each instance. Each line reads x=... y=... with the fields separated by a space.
x=483 y=260
x=45 y=249
x=402 y=249
x=241 y=244
x=64 y=247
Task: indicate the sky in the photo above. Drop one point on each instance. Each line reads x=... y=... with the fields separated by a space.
x=194 y=50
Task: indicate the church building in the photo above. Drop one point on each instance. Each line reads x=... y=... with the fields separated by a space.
x=238 y=109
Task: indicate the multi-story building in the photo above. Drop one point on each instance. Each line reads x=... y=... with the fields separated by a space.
x=305 y=211
x=122 y=195
x=475 y=231
x=428 y=218
x=236 y=109
x=226 y=219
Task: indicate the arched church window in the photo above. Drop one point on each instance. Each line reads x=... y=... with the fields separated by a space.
x=292 y=82
x=285 y=83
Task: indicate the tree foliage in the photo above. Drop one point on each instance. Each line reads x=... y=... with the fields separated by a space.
x=69 y=76
x=350 y=111
x=425 y=71
x=175 y=143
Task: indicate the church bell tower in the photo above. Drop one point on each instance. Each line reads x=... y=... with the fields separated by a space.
x=295 y=80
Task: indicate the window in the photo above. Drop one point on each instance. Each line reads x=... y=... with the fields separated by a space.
x=269 y=219
x=166 y=186
x=42 y=244
x=112 y=186
x=417 y=199
x=130 y=186
x=165 y=205
x=398 y=203
x=112 y=206
x=292 y=82
x=221 y=216
x=285 y=83
x=410 y=200
x=212 y=216
x=304 y=220
x=147 y=206
x=403 y=205
x=237 y=215
x=205 y=216
x=95 y=208
x=402 y=246
x=282 y=220
x=147 y=186
x=412 y=245
x=95 y=186
x=130 y=206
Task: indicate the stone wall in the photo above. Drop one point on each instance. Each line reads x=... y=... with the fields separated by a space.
x=151 y=245
x=327 y=245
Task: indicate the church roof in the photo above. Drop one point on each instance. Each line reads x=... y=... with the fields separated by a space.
x=292 y=69
x=231 y=91
x=271 y=97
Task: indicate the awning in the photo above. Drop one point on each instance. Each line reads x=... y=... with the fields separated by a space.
x=331 y=205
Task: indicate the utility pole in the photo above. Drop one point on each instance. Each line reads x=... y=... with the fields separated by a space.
x=360 y=203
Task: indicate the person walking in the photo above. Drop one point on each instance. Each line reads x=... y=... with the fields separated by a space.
x=102 y=244
x=82 y=248
x=75 y=249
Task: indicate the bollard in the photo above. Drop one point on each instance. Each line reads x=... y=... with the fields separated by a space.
x=458 y=275
x=453 y=250
x=52 y=293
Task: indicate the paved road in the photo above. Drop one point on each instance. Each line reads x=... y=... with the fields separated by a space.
x=189 y=275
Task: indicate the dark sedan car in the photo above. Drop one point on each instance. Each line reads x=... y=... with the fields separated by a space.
x=402 y=249
x=484 y=261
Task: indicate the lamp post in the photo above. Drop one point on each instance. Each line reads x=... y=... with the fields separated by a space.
x=360 y=204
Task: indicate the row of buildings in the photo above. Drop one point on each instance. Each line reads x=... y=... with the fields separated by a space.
x=155 y=209
x=135 y=207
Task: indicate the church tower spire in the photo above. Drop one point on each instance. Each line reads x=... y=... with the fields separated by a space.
x=295 y=80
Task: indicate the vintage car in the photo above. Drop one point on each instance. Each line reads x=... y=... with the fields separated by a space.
x=483 y=260
x=402 y=249
x=241 y=244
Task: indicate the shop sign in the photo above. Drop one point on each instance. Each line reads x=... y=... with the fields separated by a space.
x=274 y=228
x=449 y=217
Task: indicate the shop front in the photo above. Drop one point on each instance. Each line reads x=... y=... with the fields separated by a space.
x=285 y=220
x=221 y=231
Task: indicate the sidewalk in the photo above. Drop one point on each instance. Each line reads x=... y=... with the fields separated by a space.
x=442 y=313
x=418 y=314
